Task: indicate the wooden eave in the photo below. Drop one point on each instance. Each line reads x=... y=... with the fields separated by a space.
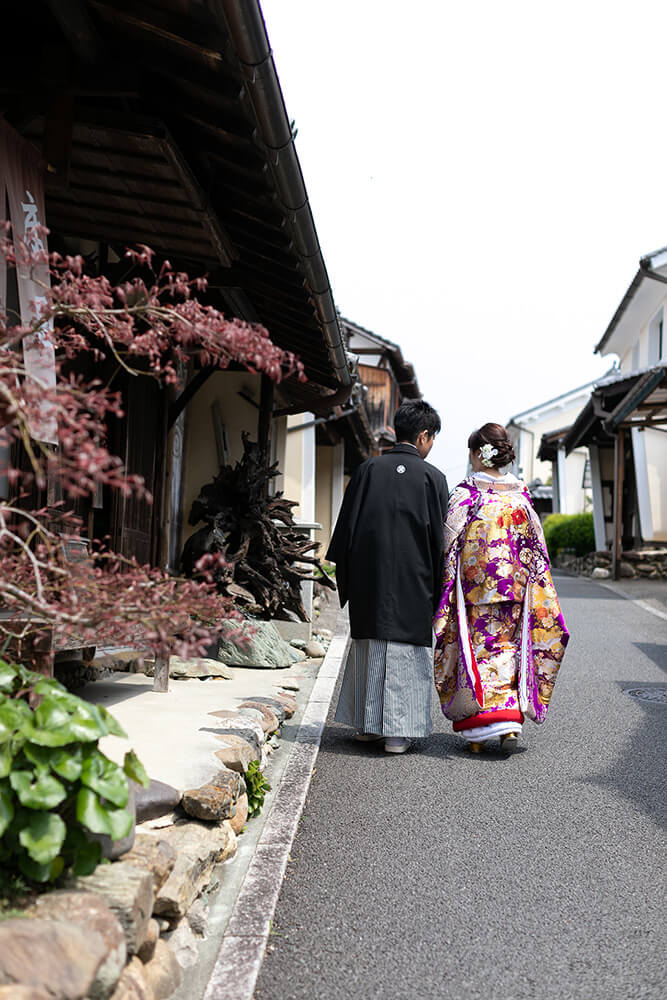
x=164 y=149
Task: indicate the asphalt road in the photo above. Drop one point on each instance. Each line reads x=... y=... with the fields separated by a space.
x=540 y=875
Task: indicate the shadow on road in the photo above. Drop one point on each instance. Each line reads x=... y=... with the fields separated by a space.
x=656 y=651
x=639 y=775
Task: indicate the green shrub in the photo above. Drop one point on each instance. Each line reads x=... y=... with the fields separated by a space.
x=569 y=531
x=55 y=784
x=257 y=786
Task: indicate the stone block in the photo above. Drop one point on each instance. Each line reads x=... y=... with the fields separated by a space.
x=52 y=955
x=199 y=848
x=128 y=892
x=156 y=800
x=269 y=722
x=274 y=704
x=240 y=817
x=16 y=992
x=133 y=984
x=215 y=800
x=600 y=573
x=154 y=855
x=184 y=944
x=147 y=949
x=89 y=912
x=288 y=703
x=163 y=973
x=236 y=753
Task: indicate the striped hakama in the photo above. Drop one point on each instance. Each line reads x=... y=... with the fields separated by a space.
x=387 y=688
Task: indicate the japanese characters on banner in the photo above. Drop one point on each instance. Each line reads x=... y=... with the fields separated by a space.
x=22 y=188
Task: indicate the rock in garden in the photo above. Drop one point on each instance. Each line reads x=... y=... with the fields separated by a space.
x=154 y=855
x=183 y=944
x=132 y=984
x=325 y=633
x=89 y=912
x=240 y=817
x=126 y=890
x=163 y=973
x=264 y=646
x=215 y=800
x=274 y=704
x=199 y=668
x=315 y=649
x=156 y=800
x=198 y=849
x=147 y=949
x=626 y=570
x=288 y=703
x=269 y=722
x=54 y=955
x=600 y=573
x=298 y=643
x=236 y=753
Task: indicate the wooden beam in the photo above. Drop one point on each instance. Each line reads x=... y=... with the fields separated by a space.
x=78 y=28
x=193 y=386
x=619 y=475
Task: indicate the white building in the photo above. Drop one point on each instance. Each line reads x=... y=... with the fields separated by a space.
x=623 y=423
x=551 y=420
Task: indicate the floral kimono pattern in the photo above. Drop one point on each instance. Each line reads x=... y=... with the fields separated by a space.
x=500 y=633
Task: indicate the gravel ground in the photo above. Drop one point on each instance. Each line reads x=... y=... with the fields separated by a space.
x=438 y=875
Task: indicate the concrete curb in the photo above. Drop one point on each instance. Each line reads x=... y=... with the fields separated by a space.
x=247 y=933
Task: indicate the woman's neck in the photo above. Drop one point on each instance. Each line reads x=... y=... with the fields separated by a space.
x=493 y=472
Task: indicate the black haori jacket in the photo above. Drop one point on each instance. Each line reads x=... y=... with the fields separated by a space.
x=388 y=547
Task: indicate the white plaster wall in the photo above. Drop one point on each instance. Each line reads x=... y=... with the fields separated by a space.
x=575 y=464
x=655 y=445
x=293 y=477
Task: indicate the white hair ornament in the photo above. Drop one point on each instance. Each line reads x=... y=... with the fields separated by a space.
x=488 y=453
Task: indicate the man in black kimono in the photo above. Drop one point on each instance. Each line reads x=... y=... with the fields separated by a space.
x=388 y=547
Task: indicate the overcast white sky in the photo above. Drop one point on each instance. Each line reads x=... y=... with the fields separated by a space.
x=484 y=178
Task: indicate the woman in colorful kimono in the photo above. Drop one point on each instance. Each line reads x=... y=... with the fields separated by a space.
x=500 y=633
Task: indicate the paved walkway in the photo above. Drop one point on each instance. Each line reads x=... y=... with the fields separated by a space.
x=439 y=875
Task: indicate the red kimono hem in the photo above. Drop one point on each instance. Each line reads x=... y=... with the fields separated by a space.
x=487 y=718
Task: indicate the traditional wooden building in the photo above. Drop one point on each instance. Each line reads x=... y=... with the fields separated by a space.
x=163 y=123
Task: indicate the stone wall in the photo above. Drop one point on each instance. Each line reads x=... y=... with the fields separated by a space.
x=649 y=564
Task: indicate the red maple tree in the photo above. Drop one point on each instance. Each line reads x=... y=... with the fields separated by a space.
x=149 y=326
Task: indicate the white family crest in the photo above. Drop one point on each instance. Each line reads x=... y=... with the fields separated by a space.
x=400 y=469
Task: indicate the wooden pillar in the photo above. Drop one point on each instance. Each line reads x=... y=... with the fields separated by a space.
x=161 y=674
x=619 y=474
x=265 y=414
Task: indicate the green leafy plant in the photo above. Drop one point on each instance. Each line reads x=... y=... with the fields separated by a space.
x=56 y=786
x=257 y=787
x=569 y=531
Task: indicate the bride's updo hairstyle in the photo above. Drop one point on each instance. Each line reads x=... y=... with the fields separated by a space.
x=498 y=438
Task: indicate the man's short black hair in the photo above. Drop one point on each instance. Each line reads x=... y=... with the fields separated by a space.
x=414 y=416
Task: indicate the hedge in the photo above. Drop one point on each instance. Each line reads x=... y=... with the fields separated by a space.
x=569 y=531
